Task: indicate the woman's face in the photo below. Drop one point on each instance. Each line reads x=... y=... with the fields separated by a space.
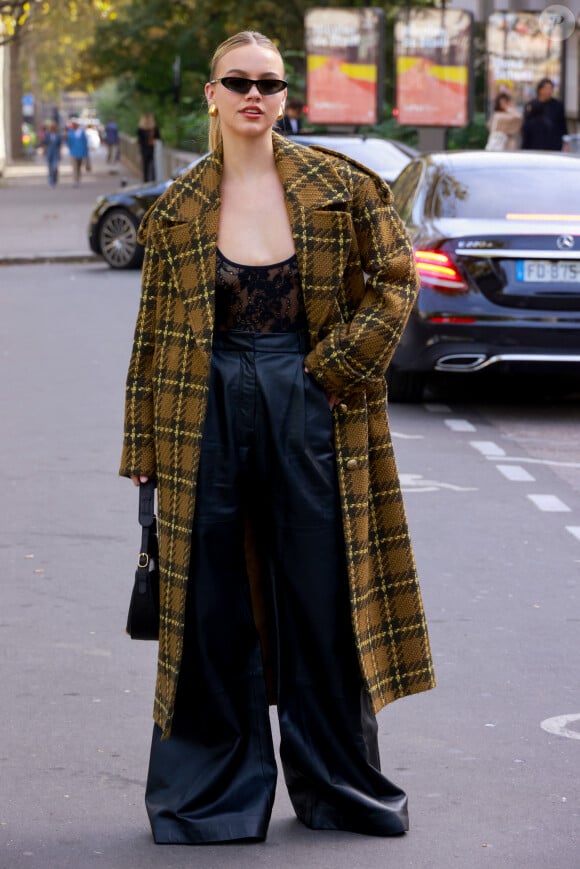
x=248 y=114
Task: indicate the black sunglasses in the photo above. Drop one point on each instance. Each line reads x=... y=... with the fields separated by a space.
x=266 y=86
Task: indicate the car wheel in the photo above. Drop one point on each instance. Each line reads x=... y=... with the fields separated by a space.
x=118 y=239
x=405 y=386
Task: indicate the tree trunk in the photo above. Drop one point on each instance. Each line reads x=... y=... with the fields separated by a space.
x=15 y=149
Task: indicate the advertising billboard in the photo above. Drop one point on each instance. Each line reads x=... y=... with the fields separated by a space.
x=433 y=56
x=344 y=65
x=521 y=50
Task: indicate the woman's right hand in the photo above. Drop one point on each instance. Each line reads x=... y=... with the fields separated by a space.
x=138 y=480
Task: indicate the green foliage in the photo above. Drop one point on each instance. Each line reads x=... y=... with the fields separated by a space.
x=472 y=136
x=390 y=129
x=53 y=36
x=126 y=49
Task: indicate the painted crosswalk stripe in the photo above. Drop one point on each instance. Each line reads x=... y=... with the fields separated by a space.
x=574 y=530
x=487 y=448
x=459 y=425
x=515 y=473
x=549 y=503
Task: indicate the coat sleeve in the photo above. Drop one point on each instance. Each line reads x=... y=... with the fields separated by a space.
x=138 y=455
x=356 y=353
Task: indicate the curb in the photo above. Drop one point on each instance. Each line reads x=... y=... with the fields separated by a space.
x=43 y=259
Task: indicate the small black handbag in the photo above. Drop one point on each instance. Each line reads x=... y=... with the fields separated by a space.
x=143 y=617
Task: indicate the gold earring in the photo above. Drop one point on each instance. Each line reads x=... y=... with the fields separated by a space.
x=280 y=114
x=212 y=110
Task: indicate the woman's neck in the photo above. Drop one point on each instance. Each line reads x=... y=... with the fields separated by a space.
x=246 y=158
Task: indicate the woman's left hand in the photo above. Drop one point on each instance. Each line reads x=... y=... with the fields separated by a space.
x=333 y=400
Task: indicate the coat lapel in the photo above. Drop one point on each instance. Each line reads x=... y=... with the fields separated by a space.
x=189 y=229
x=318 y=203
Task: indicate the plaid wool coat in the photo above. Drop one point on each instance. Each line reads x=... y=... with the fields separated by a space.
x=359 y=283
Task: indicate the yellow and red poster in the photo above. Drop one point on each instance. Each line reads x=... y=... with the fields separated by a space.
x=521 y=50
x=344 y=70
x=433 y=49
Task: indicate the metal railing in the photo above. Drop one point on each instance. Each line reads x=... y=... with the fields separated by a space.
x=168 y=161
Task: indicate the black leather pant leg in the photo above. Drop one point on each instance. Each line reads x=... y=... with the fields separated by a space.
x=329 y=746
x=214 y=779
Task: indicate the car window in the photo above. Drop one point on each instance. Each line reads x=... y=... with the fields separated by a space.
x=382 y=157
x=511 y=193
x=376 y=155
x=404 y=190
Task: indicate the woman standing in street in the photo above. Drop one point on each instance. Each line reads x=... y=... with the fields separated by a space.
x=276 y=283
x=147 y=135
x=504 y=125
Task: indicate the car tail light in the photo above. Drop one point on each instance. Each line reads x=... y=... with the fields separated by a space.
x=438 y=270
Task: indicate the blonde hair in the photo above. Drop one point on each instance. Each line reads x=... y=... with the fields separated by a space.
x=245 y=37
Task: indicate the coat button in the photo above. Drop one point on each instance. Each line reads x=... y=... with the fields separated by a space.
x=352 y=464
x=343 y=407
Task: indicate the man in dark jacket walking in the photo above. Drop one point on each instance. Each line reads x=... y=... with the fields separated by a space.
x=544 y=121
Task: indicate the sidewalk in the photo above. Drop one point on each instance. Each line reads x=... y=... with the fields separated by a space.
x=39 y=223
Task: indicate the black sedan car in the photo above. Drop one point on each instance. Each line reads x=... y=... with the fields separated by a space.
x=497 y=246
x=115 y=220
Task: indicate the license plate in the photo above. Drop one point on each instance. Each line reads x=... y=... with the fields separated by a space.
x=540 y=271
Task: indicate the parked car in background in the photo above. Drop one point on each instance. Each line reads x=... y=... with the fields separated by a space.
x=497 y=246
x=386 y=157
x=115 y=219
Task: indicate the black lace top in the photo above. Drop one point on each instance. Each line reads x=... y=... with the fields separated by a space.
x=258 y=298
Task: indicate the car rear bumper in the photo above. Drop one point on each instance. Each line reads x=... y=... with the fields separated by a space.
x=468 y=348
x=466 y=362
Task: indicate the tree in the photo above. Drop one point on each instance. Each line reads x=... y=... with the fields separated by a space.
x=46 y=39
x=13 y=16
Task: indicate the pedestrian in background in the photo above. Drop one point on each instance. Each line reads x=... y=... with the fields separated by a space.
x=277 y=281
x=51 y=145
x=78 y=146
x=536 y=129
x=147 y=135
x=112 y=141
x=548 y=119
x=504 y=125
x=291 y=122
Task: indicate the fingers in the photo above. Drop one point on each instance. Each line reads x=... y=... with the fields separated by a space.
x=333 y=400
x=136 y=480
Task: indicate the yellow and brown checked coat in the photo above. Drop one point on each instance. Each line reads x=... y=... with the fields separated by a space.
x=359 y=283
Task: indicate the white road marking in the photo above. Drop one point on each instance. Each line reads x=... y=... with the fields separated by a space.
x=416 y=483
x=574 y=530
x=549 y=503
x=407 y=437
x=557 y=726
x=515 y=473
x=488 y=448
x=437 y=408
x=530 y=461
x=459 y=425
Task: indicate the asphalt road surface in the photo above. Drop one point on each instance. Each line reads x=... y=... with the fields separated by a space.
x=491 y=473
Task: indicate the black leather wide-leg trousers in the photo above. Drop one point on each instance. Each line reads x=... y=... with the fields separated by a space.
x=267 y=457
